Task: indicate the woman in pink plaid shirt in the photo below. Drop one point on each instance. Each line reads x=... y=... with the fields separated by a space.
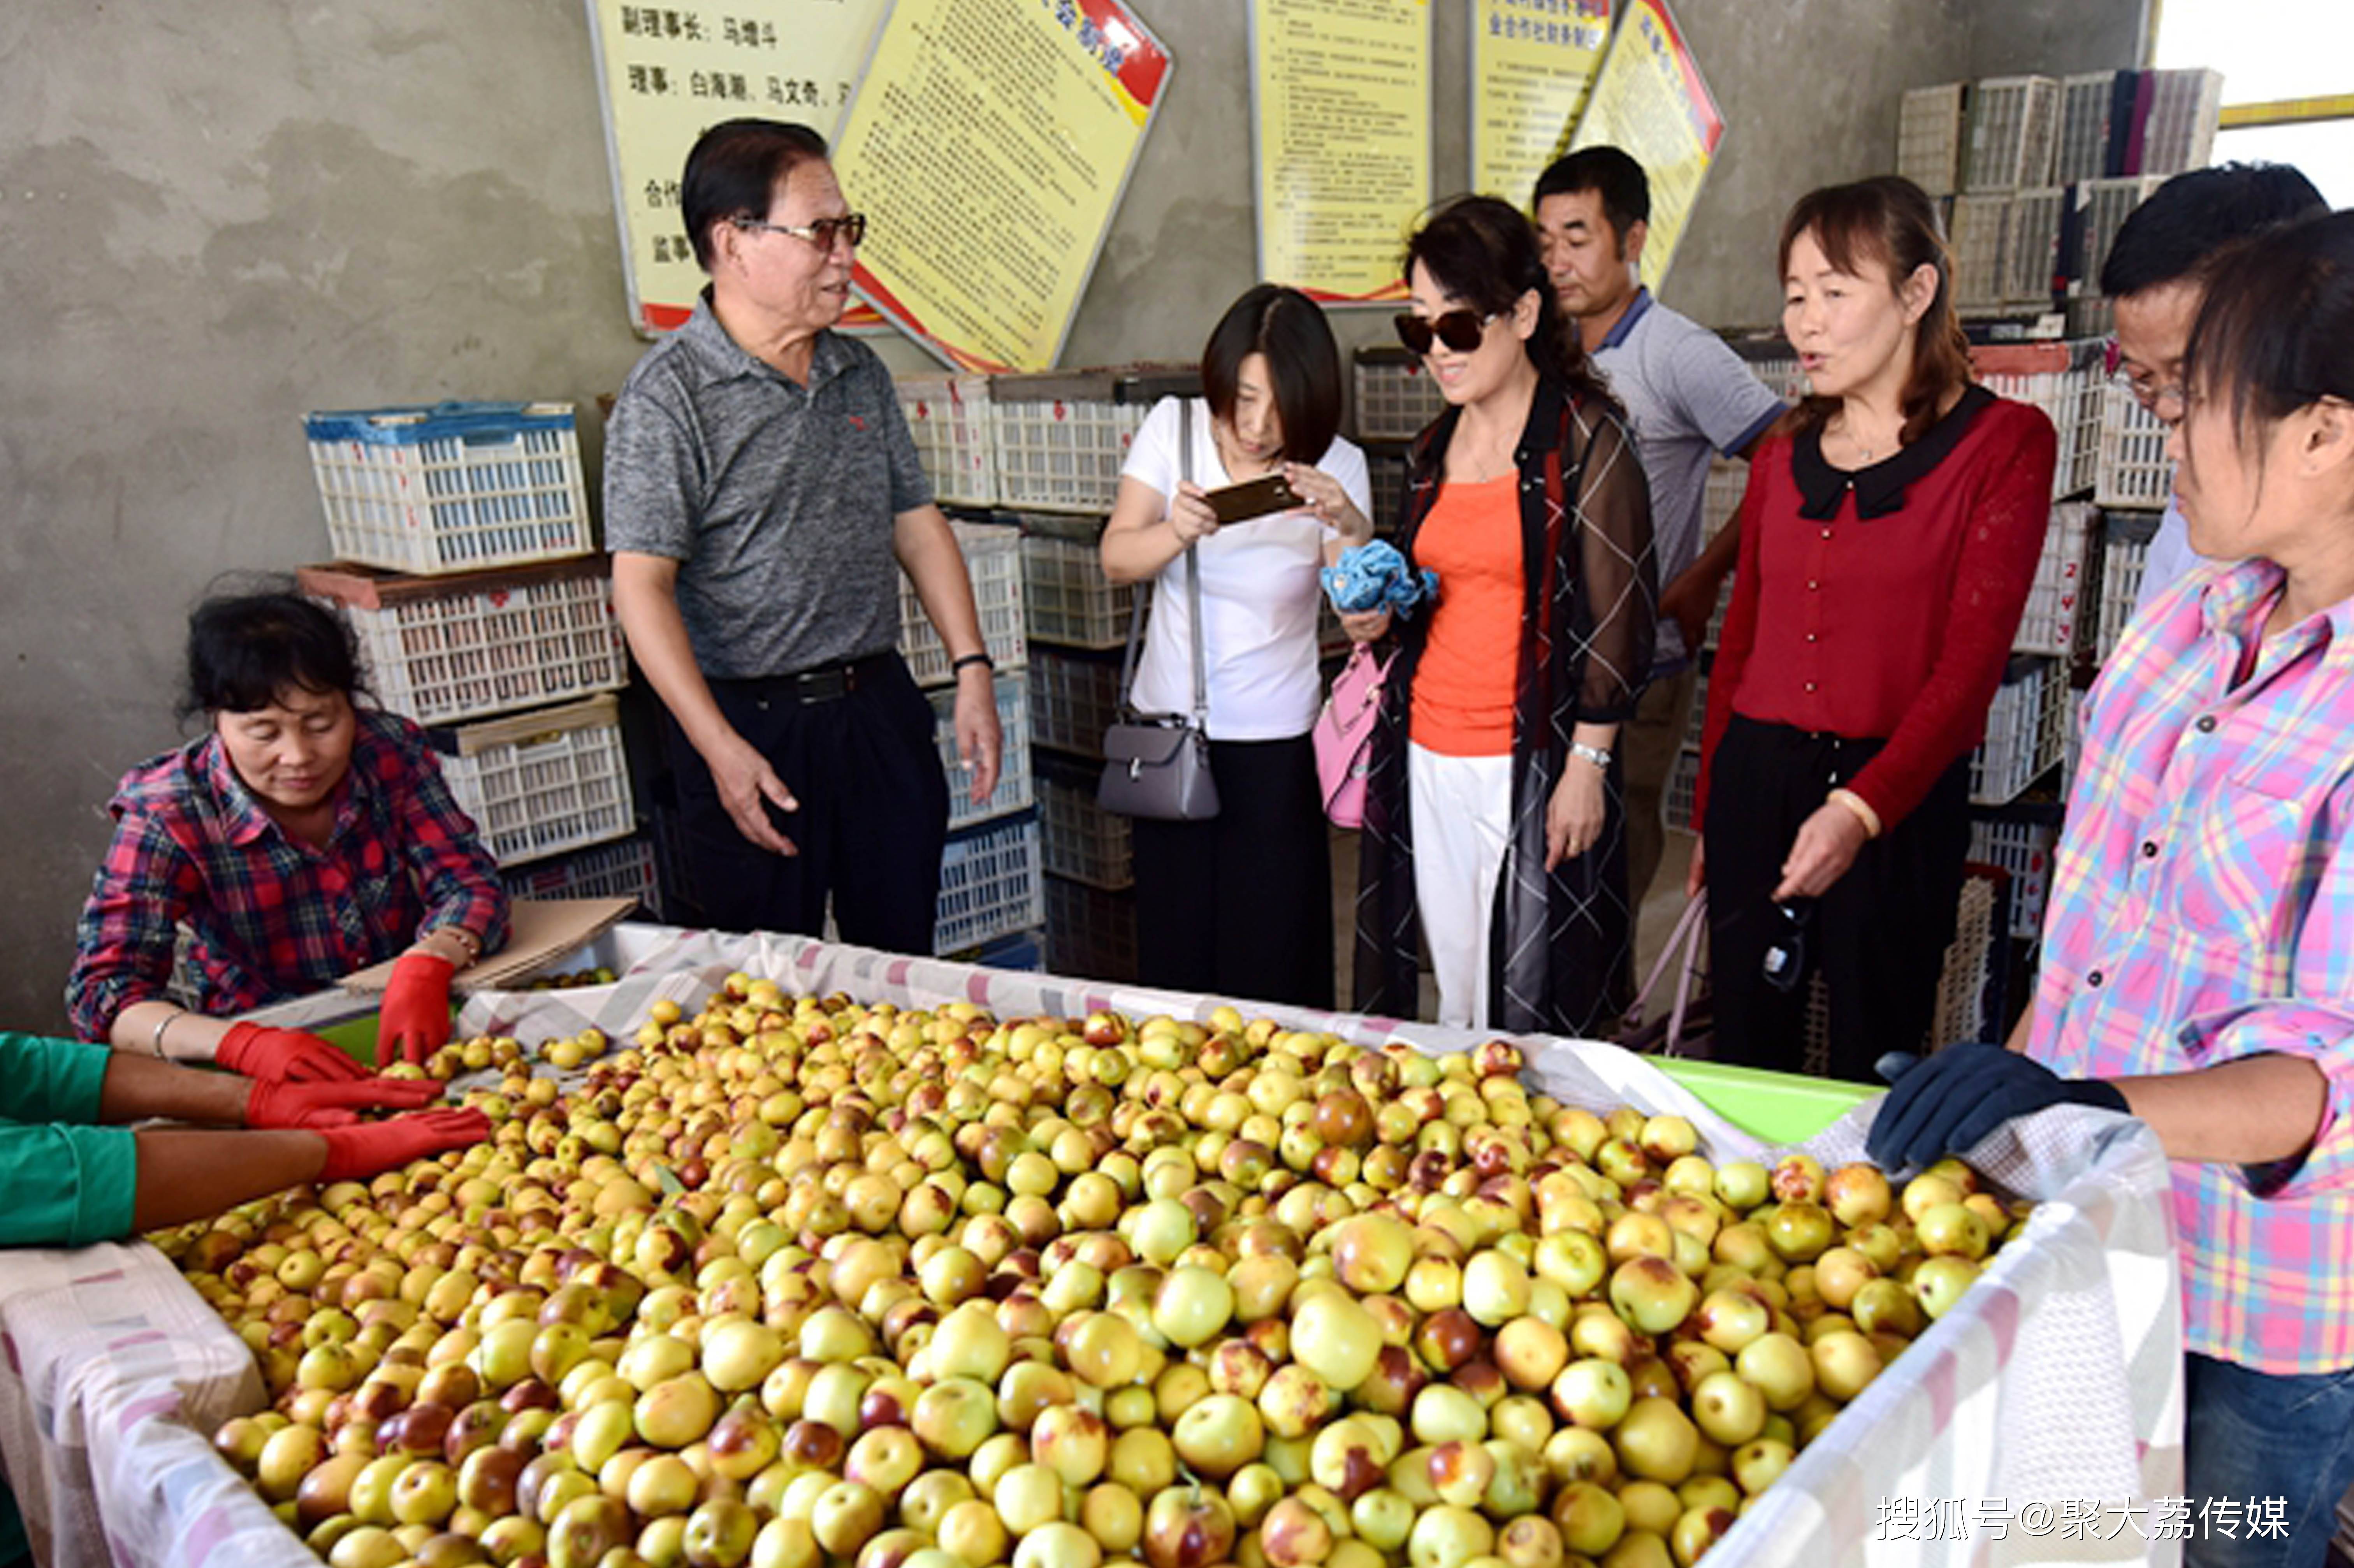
x=2198 y=956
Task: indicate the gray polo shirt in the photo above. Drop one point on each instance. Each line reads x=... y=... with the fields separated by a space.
x=777 y=499
x=1687 y=395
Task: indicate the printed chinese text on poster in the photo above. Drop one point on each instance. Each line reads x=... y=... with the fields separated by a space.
x=1532 y=63
x=670 y=72
x=1340 y=133
x=1650 y=100
x=988 y=144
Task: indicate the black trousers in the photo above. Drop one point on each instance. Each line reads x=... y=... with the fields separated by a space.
x=873 y=819
x=1241 y=906
x=1879 y=936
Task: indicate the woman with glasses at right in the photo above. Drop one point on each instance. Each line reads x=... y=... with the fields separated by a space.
x=1889 y=536
x=1494 y=816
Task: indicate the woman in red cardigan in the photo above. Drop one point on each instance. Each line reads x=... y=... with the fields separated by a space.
x=1889 y=538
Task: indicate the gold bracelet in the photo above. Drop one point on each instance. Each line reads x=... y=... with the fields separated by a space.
x=157 y=1042
x=1861 y=810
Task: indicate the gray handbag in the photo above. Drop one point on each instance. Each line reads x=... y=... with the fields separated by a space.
x=1158 y=765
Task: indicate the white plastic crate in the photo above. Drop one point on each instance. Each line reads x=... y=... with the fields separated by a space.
x=949 y=417
x=2102 y=208
x=1395 y=397
x=2125 y=551
x=1970 y=961
x=1696 y=719
x=451 y=487
x=1975 y=234
x=623 y=869
x=1684 y=786
x=440 y=649
x=1386 y=477
x=540 y=783
x=1060 y=437
x=1084 y=841
x=989 y=885
x=2024 y=850
x=2023 y=731
x=1716 y=632
x=1072 y=701
x=1090 y=932
x=2056 y=604
x=992 y=559
x=2135 y=472
x=1014 y=784
x=2031 y=246
x=1065 y=597
x=2185 y=107
x=1929 y=136
x=2066 y=380
x=2087 y=103
x=2014 y=133
x=1720 y=498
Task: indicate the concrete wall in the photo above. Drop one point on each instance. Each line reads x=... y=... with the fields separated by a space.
x=215 y=218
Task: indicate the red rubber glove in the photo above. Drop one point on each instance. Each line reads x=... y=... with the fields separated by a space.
x=284 y=1055
x=372 y=1147
x=319 y=1106
x=415 y=1020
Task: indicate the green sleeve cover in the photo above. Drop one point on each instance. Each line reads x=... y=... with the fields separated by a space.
x=63 y=1183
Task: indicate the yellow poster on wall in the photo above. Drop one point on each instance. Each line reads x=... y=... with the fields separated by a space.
x=670 y=72
x=1532 y=62
x=988 y=144
x=1340 y=137
x=1650 y=102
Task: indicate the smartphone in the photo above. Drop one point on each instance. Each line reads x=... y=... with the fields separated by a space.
x=1253 y=498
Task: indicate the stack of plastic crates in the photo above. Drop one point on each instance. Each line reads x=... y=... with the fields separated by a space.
x=2087 y=122
x=2135 y=473
x=1929 y=137
x=1066 y=598
x=1013 y=790
x=2014 y=133
x=990 y=884
x=1683 y=789
x=1395 y=397
x=949 y=417
x=1386 y=477
x=2125 y=551
x=1074 y=697
x=1084 y=841
x=2023 y=731
x=992 y=559
x=1971 y=989
x=2067 y=381
x=1696 y=719
x=2057 y=605
x=1061 y=437
x=623 y=869
x=1976 y=235
x=2030 y=248
x=1091 y=933
x=2100 y=209
x=443 y=648
x=540 y=783
x=451 y=487
x=2184 y=108
x=2024 y=850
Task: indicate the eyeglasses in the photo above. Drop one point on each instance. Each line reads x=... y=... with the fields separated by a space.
x=823 y=233
x=2145 y=388
x=1461 y=331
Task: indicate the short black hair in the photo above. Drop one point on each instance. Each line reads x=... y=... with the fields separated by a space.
x=1304 y=364
x=734 y=170
x=2170 y=237
x=2275 y=331
x=245 y=648
x=1625 y=189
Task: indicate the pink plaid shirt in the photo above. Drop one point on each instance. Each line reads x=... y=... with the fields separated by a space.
x=2202 y=910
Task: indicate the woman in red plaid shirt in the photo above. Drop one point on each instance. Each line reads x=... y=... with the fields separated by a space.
x=303 y=838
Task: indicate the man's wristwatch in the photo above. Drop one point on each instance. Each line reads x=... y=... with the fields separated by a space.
x=956 y=665
x=1594 y=754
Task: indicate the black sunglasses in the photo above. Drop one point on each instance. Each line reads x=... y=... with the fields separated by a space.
x=1461 y=331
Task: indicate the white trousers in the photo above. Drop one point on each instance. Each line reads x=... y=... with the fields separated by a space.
x=1460 y=810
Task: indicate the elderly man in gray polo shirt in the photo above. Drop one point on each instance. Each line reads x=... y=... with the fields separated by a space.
x=761 y=495
x=1687 y=395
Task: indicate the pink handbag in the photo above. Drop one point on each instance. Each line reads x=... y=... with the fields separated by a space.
x=1344 y=735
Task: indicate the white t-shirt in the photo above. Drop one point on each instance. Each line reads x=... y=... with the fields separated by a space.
x=1259 y=594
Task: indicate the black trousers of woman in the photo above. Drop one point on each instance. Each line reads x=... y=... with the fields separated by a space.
x=1879 y=935
x=1241 y=906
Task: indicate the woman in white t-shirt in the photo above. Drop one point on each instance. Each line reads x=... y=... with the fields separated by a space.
x=1242 y=904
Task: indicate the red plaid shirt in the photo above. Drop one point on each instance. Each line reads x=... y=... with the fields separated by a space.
x=272 y=917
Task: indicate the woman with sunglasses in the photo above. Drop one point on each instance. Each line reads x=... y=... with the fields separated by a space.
x=1494 y=820
x=1242 y=904
x=2198 y=966
x=1889 y=536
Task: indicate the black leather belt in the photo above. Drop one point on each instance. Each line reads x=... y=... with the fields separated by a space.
x=823 y=684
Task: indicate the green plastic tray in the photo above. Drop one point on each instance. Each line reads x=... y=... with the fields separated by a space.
x=1781 y=1107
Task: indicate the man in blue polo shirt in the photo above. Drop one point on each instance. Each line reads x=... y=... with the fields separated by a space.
x=1688 y=395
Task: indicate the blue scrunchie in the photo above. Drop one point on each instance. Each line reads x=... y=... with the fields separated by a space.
x=1375 y=576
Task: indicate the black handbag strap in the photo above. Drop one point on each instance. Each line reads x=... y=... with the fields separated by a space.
x=1192 y=594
